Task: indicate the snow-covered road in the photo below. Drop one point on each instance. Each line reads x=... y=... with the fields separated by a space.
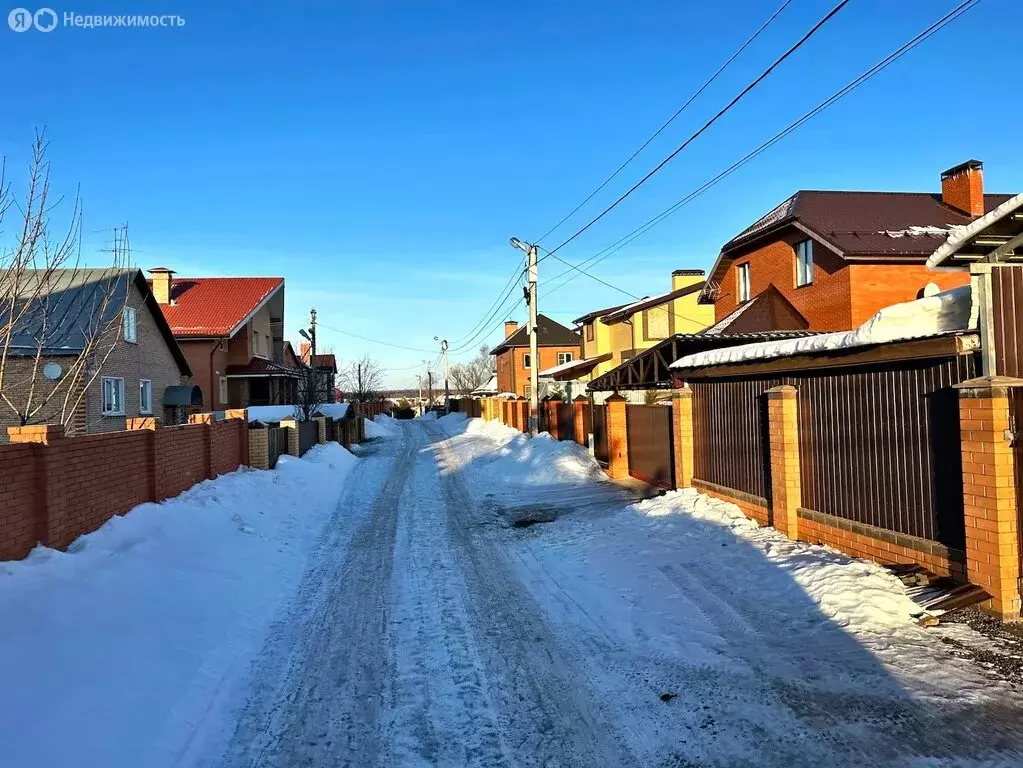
x=429 y=629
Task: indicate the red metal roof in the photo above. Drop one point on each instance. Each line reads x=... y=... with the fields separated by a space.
x=259 y=366
x=215 y=306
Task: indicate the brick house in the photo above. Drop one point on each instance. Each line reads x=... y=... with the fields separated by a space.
x=106 y=353
x=556 y=345
x=326 y=373
x=838 y=257
x=231 y=332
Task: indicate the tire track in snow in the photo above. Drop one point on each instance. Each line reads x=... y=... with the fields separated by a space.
x=326 y=707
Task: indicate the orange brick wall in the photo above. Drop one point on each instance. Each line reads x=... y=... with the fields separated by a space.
x=758 y=512
x=875 y=286
x=55 y=492
x=512 y=374
x=879 y=551
x=842 y=295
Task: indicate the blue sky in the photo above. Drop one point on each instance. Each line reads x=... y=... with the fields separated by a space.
x=378 y=154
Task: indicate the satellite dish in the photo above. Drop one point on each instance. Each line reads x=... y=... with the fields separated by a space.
x=52 y=371
x=931 y=289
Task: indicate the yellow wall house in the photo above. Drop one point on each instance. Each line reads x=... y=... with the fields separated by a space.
x=612 y=335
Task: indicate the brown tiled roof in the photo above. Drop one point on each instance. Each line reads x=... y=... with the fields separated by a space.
x=856 y=223
x=550 y=333
x=259 y=366
x=767 y=312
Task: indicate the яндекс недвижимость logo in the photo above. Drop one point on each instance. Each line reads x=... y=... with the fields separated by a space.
x=22 y=19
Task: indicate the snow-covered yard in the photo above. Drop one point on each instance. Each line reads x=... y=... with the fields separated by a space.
x=461 y=594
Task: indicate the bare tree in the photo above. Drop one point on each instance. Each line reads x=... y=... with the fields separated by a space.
x=59 y=322
x=363 y=380
x=472 y=374
x=316 y=385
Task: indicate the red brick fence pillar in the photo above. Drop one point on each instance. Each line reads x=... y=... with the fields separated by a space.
x=617 y=437
x=783 y=439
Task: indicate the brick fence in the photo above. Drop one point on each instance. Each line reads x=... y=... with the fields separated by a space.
x=54 y=489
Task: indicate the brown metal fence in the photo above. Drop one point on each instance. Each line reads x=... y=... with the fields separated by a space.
x=650 y=438
x=307 y=436
x=882 y=447
x=566 y=421
x=729 y=436
x=598 y=419
x=277 y=444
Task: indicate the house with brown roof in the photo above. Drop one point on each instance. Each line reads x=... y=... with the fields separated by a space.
x=834 y=258
x=231 y=330
x=556 y=345
x=325 y=378
x=88 y=349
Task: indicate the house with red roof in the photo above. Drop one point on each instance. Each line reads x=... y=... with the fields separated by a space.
x=831 y=259
x=325 y=379
x=231 y=330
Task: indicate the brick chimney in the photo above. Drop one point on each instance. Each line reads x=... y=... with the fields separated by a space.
x=962 y=187
x=162 y=279
x=510 y=326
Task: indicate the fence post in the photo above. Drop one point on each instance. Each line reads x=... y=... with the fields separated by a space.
x=206 y=419
x=361 y=436
x=617 y=437
x=682 y=425
x=259 y=448
x=989 y=494
x=243 y=415
x=523 y=414
x=579 y=418
x=48 y=528
x=321 y=429
x=783 y=438
x=150 y=425
x=292 y=426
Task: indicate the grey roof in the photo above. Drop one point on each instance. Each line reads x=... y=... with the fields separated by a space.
x=65 y=308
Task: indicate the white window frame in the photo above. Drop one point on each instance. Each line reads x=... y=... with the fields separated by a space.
x=527 y=361
x=526 y=389
x=146 y=388
x=224 y=393
x=118 y=382
x=565 y=357
x=804 y=263
x=131 y=325
x=742 y=277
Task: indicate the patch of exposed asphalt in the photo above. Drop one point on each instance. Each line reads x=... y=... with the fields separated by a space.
x=1004 y=656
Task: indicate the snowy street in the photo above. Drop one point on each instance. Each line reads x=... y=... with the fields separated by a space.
x=464 y=596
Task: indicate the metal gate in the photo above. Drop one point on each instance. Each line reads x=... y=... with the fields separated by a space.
x=598 y=418
x=566 y=422
x=651 y=447
x=1016 y=424
x=276 y=444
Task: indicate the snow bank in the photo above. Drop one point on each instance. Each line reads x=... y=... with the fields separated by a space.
x=428 y=416
x=930 y=316
x=333 y=410
x=139 y=624
x=268 y=413
x=453 y=423
x=510 y=457
x=378 y=428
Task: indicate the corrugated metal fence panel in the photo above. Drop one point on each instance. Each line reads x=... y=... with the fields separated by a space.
x=882 y=447
x=1006 y=305
x=1016 y=417
x=650 y=436
x=598 y=418
x=730 y=433
x=276 y=443
x=308 y=434
x=566 y=421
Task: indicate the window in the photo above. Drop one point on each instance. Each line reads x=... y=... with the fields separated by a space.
x=130 y=325
x=223 y=390
x=564 y=357
x=804 y=263
x=525 y=390
x=113 y=396
x=589 y=331
x=145 y=396
x=657 y=322
x=526 y=362
x=742 y=272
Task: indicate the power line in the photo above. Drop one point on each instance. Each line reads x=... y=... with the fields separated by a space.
x=777 y=62
x=375 y=341
x=671 y=119
x=486 y=315
x=483 y=327
x=599 y=256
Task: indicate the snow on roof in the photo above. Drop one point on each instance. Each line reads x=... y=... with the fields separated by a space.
x=555 y=370
x=268 y=413
x=962 y=235
x=333 y=410
x=930 y=316
x=490 y=386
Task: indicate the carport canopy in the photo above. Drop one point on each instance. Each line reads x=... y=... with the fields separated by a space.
x=183 y=394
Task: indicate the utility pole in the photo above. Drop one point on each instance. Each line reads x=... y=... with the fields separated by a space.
x=444 y=354
x=534 y=362
x=420 y=401
x=312 y=353
x=429 y=385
